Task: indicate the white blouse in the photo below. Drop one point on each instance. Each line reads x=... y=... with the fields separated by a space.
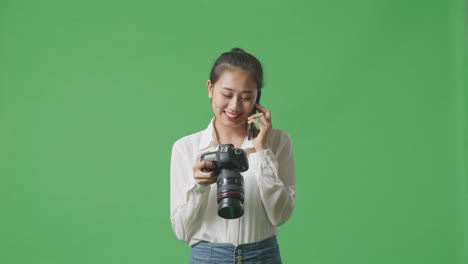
x=269 y=191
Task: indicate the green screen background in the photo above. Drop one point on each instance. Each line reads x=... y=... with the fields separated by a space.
x=94 y=93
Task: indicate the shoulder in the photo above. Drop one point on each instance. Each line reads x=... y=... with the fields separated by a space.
x=186 y=148
x=196 y=140
x=279 y=135
x=279 y=139
x=189 y=141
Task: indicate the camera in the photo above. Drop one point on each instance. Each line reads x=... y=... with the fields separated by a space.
x=229 y=163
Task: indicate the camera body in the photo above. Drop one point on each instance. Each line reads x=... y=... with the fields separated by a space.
x=229 y=163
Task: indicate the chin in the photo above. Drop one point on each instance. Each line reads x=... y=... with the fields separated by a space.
x=232 y=124
x=228 y=123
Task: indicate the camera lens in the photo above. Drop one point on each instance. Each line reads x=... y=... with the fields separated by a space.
x=230 y=194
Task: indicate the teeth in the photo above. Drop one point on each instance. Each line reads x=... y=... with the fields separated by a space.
x=231 y=115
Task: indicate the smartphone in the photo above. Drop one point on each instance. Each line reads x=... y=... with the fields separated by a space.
x=252 y=125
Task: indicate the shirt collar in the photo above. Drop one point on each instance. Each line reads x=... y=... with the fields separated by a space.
x=209 y=139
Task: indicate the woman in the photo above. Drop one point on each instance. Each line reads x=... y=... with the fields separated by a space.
x=234 y=87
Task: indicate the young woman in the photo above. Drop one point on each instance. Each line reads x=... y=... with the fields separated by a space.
x=235 y=83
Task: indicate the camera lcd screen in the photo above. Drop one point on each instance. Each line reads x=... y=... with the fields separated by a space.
x=210 y=156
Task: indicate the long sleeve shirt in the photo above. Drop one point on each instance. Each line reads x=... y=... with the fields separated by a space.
x=269 y=191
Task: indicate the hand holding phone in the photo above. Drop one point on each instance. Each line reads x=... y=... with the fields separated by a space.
x=262 y=119
x=252 y=125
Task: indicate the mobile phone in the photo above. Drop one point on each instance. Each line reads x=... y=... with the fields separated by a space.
x=252 y=125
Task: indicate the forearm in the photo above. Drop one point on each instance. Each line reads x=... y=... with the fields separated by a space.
x=188 y=199
x=277 y=186
x=186 y=213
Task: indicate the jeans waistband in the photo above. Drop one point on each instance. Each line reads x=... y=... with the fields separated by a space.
x=254 y=245
x=265 y=251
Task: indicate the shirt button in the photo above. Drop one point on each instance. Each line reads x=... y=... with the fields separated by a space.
x=239 y=251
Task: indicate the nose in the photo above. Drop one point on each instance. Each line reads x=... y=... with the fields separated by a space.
x=234 y=104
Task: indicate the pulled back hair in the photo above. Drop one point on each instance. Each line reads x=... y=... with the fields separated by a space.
x=238 y=58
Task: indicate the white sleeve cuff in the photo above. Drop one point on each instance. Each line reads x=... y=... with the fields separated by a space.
x=200 y=188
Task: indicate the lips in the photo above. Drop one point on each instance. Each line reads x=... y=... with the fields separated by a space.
x=232 y=116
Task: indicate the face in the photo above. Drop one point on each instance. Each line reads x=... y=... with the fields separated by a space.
x=233 y=98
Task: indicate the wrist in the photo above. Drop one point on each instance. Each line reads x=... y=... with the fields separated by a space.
x=259 y=149
x=201 y=187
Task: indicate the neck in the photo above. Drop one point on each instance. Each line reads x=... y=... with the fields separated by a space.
x=230 y=135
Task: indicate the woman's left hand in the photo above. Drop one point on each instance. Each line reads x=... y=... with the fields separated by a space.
x=263 y=121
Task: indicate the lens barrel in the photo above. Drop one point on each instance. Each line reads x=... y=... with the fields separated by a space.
x=230 y=193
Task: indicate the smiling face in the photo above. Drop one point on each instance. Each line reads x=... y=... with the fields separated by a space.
x=233 y=99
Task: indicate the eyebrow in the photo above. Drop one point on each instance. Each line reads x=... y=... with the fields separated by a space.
x=230 y=89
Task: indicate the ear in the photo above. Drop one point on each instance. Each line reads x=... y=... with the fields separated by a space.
x=210 y=89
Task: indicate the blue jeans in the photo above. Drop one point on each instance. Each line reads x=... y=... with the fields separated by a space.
x=265 y=251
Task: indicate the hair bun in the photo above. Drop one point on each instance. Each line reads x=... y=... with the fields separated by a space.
x=237 y=50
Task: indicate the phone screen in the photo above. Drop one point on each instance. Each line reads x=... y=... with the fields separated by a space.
x=252 y=125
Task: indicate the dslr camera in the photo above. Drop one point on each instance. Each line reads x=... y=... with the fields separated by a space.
x=229 y=163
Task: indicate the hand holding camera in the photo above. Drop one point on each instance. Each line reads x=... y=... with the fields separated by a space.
x=202 y=176
x=228 y=162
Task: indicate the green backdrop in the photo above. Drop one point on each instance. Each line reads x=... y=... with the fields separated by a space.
x=94 y=93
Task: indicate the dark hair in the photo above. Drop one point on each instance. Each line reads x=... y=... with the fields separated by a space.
x=238 y=58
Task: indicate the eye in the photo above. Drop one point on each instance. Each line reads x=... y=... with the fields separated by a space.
x=226 y=95
x=246 y=99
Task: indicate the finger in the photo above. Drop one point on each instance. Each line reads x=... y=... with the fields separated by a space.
x=260 y=107
x=204 y=164
x=259 y=115
x=205 y=182
x=260 y=119
x=262 y=114
x=208 y=164
x=260 y=123
x=263 y=109
x=205 y=176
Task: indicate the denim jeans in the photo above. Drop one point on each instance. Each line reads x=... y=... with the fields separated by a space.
x=265 y=251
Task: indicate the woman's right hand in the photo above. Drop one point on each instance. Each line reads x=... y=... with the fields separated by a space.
x=204 y=178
